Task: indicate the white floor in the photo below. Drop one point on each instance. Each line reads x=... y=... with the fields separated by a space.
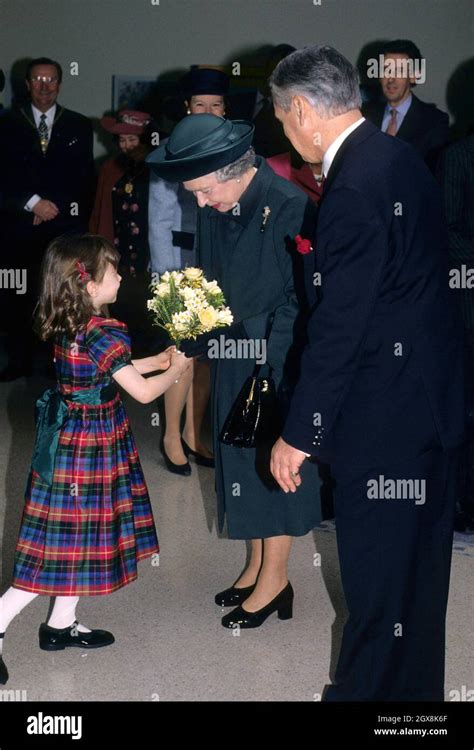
x=170 y=644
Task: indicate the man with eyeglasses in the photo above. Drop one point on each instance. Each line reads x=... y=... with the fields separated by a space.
x=46 y=189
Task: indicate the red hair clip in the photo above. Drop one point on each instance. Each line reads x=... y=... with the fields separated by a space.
x=84 y=275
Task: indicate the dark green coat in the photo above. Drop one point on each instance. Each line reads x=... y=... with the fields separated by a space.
x=255 y=272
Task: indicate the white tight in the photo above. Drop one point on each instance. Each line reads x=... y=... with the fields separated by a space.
x=14 y=600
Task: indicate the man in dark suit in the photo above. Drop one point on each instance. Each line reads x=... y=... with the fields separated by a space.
x=46 y=189
x=456 y=172
x=401 y=113
x=380 y=395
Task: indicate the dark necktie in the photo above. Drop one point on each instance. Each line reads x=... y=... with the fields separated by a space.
x=43 y=133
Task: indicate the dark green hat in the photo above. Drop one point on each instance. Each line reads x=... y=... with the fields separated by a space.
x=199 y=145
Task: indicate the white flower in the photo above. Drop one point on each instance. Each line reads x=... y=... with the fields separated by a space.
x=162 y=289
x=165 y=276
x=181 y=321
x=177 y=277
x=211 y=287
x=224 y=317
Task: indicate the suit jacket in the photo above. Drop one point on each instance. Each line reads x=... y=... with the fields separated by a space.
x=424 y=126
x=64 y=175
x=381 y=377
x=456 y=173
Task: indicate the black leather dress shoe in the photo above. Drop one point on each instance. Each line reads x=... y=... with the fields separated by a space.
x=183 y=470
x=232 y=596
x=282 y=603
x=57 y=639
x=198 y=457
x=3 y=669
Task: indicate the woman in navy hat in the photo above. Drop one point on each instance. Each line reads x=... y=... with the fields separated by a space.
x=247 y=219
x=172 y=215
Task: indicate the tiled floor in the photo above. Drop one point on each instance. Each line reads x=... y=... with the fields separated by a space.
x=170 y=644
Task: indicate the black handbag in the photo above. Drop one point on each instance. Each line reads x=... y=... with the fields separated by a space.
x=255 y=414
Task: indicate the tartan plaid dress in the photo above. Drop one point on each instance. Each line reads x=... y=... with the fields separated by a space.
x=84 y=534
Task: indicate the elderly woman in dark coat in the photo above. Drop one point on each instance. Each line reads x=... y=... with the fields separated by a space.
x=247 y=220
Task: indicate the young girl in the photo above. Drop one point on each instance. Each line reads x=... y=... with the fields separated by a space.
x=87 y=518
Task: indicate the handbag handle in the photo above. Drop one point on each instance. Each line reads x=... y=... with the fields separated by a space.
x=258 y=366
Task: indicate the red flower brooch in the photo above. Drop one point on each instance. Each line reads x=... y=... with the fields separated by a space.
x=303 y=246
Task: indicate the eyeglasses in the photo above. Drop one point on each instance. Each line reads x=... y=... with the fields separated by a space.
x=43 y=79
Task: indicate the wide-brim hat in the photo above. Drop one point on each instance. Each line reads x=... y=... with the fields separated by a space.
x=128 y=122
x=199 y=145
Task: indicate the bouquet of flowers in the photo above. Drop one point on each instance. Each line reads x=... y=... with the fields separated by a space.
x=185 y=304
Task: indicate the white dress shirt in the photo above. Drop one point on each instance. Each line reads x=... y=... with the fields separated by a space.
x=331 y=152
x=50 y=113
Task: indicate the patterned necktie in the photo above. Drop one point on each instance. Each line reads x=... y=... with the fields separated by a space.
x=43 y=133
x=392 y=125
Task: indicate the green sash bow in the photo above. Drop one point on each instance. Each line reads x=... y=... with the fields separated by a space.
x=51 y=414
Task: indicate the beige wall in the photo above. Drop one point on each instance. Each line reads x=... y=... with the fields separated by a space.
x=138 y=37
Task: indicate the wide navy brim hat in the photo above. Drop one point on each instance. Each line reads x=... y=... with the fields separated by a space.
x=199 y=145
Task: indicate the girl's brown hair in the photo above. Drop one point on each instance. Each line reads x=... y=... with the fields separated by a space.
x=65 y=306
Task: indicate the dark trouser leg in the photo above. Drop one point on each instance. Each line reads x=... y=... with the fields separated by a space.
x=395 y=560
x=466 y=469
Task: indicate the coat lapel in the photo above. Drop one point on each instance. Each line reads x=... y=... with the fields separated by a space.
x=411 y=121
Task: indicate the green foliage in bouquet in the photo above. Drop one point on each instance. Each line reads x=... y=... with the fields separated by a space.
x=185 y=304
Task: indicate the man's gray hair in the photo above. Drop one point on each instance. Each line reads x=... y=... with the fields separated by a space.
x=321 y=74
x=237 y=168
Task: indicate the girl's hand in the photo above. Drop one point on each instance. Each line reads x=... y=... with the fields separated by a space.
x=163 y=360
x=180 y=362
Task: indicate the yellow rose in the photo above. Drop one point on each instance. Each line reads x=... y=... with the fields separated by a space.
x=208 y=318
x=193 y=274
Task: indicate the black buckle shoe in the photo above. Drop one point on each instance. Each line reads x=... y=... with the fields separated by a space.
x=282 y=603
x=3 y=668
x=57 y=639
x=232 y=596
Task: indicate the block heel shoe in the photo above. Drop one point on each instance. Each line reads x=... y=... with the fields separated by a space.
x=232 y=596
x=282 y=604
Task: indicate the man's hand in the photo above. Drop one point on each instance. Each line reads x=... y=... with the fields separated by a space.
x=285 y=464
x=45 y=210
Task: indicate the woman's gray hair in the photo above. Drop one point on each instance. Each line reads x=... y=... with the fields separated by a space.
x=238 y=167
x=321 y=74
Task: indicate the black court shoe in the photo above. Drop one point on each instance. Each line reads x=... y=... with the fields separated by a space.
x=184 y=470
x=3 y=668
x=282 y=603
x=57 y=639
x=232 y=596
x=198 y=457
